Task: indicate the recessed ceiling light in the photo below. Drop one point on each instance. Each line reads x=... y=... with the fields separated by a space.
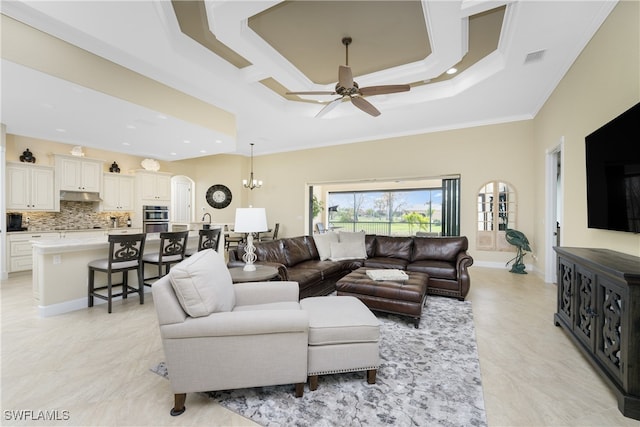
x=162 y=117
x=131 y=127
x=173 y=154
x=61 y=130
x=186 y=141
x=203 y=151
x=218 y=141
x=126 y=143
x=452 y=70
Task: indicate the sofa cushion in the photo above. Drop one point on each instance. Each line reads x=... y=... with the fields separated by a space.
x=323 y=244
x=203 y=284
x=270 y=251
x=394 y=247
x=435 y=269
x=351 y=246
x=386 y=262
x=342 y=251
x=327 y=268
x=438 y=248
x=370 y=244
x=305 y=276
x=295 y=251
x=311 y=244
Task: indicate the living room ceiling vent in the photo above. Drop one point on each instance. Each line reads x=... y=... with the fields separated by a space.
x=251 y=183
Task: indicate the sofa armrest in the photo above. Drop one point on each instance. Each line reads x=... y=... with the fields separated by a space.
x=464 y=261
x=253 y=293
x=239 y=323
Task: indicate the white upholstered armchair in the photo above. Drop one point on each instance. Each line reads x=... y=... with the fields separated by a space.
x=221 y=336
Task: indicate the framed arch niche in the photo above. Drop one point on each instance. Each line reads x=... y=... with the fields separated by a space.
x=497 y=211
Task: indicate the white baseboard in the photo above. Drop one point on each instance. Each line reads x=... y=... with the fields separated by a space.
x=76 y=304
x=495 y=264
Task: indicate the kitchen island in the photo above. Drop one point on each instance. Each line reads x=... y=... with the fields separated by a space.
x=60 y=270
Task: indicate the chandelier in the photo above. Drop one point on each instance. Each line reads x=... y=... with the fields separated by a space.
x=251 y=183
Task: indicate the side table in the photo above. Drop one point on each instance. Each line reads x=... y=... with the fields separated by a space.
x=262 y=273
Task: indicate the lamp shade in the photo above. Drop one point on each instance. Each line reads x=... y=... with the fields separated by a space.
x=250 y=220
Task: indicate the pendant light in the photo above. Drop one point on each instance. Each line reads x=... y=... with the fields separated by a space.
x=251 y=183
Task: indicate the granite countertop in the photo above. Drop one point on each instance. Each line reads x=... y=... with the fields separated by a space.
x=79 y=244
x=59 y=229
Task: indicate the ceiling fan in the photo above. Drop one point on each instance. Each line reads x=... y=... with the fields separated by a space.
x=347 y=88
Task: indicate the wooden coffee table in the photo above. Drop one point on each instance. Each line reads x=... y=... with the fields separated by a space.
x=262 y=273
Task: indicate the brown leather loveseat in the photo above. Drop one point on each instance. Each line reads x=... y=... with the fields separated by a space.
x=445 y=259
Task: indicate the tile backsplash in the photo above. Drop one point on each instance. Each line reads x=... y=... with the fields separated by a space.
x=72 y=215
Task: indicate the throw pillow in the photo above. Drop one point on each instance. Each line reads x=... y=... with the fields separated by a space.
x=357 y=239
x=323 y=244
x=346 y=250
x=203 y=284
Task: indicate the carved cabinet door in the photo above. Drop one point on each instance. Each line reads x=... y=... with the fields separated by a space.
x=565 y=291
x=586 y=309
x=612 y=324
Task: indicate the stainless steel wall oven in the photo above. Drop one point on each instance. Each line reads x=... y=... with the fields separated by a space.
x=155 y=219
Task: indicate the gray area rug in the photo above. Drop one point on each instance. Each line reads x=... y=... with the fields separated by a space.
x=428 y=377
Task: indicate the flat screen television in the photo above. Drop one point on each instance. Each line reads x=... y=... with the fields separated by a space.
x=613 y=174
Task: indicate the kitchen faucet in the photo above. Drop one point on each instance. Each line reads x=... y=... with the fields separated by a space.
x=205 y=214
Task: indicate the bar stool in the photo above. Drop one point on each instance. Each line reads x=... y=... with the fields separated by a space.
x=207 y=239
x=125 y=254
x=274 y=236
x=172 y=247
x=230 y=240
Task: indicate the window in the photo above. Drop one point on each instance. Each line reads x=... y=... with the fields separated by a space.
x=386 y=212
x=496 y=214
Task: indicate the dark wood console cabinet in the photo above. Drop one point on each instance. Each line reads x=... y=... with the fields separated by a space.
x=599 y=308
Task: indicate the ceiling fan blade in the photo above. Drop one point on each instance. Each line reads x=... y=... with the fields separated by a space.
x=365 y=106
x=381 y=90
x=325 y=92
x=345 y=77
x=330 y=106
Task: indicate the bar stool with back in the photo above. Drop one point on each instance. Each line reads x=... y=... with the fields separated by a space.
x=172 y=248
x=208 y=239
x=125 y=254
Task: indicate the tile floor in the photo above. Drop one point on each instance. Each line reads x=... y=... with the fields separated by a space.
x=95 y=366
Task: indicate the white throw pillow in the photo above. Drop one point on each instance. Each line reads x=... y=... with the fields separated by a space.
x=347 y=250
x=356 y=239
x=323 y=244
x=203 y=284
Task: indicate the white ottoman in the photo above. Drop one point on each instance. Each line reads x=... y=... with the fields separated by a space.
x=343 y=337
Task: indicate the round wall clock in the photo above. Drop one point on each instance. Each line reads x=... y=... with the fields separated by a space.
x=218 y=196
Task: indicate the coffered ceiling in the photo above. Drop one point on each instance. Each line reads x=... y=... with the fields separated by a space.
x=181 y=79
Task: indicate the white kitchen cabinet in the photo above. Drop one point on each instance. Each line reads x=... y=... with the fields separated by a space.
x=79 y=174
x=98 y=233
x=128 y=230
x=19 y=253
x=153 y=187
x=30 y=187
x=117 y=194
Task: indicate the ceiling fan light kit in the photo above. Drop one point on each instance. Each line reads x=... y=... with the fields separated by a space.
x=349 y=89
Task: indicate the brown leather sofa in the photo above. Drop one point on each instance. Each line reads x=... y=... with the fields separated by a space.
x=445 y=259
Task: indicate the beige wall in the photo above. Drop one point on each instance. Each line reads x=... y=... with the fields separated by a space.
x=602 y=83
x=477 y=154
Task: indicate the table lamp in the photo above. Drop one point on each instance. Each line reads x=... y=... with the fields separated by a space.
x=250 y=220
